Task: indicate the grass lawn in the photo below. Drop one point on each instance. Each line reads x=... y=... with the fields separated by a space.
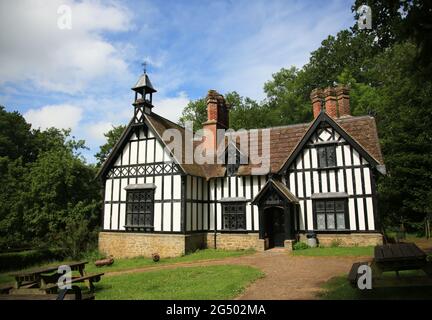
x=186 y=283
x=338 y=288
x=140 y=262
x=335 y=251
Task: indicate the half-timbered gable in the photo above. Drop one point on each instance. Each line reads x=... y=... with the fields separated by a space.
x=330 y=169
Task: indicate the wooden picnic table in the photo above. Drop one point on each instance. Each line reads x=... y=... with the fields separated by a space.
x=400 y=256
x=42 y=281
x=36 y=275
x=396 y=257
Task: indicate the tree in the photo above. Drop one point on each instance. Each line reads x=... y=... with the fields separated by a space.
x=46 y=186
x=15 y=136
x=195 y=111
x=402 y=108
x=396 y=21
x=59 y=181
x=245 y=113
x=112 y=137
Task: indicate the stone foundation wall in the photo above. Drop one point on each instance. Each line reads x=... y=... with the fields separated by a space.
x=348 y=240
x=127 y=245
x=235 y=241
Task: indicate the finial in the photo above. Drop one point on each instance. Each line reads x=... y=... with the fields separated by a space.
x=144 y=64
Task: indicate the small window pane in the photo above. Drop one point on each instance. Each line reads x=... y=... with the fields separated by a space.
x=141 y=220
x=321 y=222
x=340 y=205
x=241 y=222
x=330 y=221
x=320 y=206
x=340 y=217
x=322 y=157
x=226 y=222
x=233 y=222
x=331 y=156
x=330 y=206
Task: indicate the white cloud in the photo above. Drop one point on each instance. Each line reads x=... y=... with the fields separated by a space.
x=34 y=51
x=171 y=107
x=95 y=131
x=62 y=116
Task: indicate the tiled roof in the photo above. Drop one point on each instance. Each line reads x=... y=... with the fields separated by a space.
x=283 y=139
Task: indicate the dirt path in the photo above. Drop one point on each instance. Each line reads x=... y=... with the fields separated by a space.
x=286 y=276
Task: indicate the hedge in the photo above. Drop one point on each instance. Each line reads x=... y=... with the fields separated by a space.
x=24 y=259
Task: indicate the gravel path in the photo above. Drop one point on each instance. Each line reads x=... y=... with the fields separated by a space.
x=286 y=276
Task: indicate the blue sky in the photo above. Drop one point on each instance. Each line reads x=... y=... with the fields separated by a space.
x=81 y=78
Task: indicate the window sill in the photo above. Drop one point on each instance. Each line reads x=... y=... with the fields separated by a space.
x=330 y=168
x=331 y=230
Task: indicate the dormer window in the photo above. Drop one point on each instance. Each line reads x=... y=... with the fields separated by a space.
x=326 y=155
x=232 y=163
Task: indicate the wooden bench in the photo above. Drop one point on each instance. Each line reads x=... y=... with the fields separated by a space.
x=5 y=289
x=396 y=257
x=88 y=279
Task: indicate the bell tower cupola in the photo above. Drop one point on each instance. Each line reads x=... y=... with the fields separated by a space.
x=143 y=103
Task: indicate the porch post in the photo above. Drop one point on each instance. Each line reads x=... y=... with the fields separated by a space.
x=261 y=222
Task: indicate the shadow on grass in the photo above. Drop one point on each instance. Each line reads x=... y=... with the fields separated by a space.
x=339 y=288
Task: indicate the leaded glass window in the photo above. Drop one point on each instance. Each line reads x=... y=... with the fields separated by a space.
x=234 y=216
x=330 y=214
x=139 y=210
x=233 y=162
x=326 y=156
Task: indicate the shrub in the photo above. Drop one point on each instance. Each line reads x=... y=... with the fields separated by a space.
x=19 y=260
x=77 y=239
x=300 y=246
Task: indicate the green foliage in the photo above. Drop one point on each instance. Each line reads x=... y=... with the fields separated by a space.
x=46 y=186
x=245 y=113
x=77 y=239
x=300 y=246
x=112 y=137
x=23 y=259
x=15 y=136
x=398 y=21
x=195 y=111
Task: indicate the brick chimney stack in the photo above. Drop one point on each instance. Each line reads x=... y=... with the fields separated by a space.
x=316 y=97
x=217 y=117
x=330 y=102
x=337 y=101
x=342 y=93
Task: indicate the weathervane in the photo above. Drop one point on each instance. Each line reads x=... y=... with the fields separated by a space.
x=144 y=64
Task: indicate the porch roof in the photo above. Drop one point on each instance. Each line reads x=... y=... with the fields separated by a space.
x=280 y=188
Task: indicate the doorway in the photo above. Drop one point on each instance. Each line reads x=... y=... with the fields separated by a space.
x=275 y=226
